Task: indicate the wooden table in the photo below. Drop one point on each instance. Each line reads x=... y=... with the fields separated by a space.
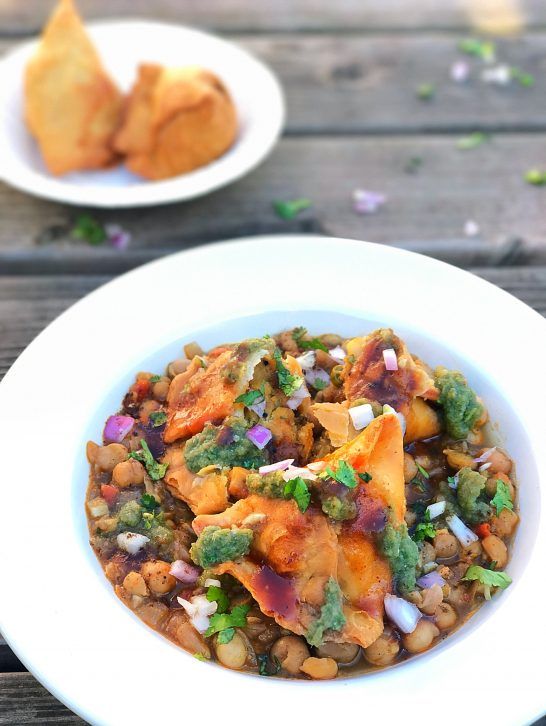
x=350 y=69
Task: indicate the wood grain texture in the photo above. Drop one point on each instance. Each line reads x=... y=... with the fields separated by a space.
x=24 y=701
x=425 y=211
x=18 y=17
x=362 y=84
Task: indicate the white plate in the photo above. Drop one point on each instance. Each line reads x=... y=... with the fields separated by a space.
x=58 y=611
x=122 y=45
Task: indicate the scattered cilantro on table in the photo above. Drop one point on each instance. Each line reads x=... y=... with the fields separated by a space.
x=425 y=91
x=473 y=140
x=290 y=209
x=89 y=230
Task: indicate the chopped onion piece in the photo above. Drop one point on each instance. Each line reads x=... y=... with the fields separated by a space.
x=361 y=416
x=211 y=582
x=485 y=455
x=405 y=615
x=434 y=510
x=277 y=466
x=337 y=354
x=317 y=466
x=184 y=572
x=460 y=530
x=391 y=361
x=117 y=428
x=199 y=609
x=429 y=566
x=131 y=542
x=484 y=467
x=307 y=360
x=294 y=471
x=259 y=435
x=432 y=578
x=297 y=397
x=317 y=374
x=401 y=417
x=258 y=407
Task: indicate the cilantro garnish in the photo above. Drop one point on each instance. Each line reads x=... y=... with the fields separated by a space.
x=365 y=476
x=535 y=177
x=425 y=91
x=158 y=418
x=313 y=344
x=488 y=578
x=344 y=474
x=267 y=666
x=524 y=79
x=227 y=621
x=502 y=499
x=477 y=138
x=452 y=482
x=288 y=383
x=290 y=209
x=298 y=490
x=155 y=469
x=422 y=471
x=88 y=230
x=319 y=385
x=217 y=595
x=483 y=49
x=418 y=484
x=424 y=529
x=155 y=379
x=250 y=397
x=148 y=502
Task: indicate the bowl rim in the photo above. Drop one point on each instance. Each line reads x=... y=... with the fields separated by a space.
x=240 y=258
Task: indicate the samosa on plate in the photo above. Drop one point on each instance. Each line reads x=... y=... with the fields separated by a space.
x=72 y=107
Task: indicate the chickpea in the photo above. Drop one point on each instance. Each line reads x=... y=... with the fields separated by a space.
x=320 y=669
x=428 y=553
x=410 y=518
x=127 y=473
x=458 y=459
x=161 y=389
x=232 y=654
x=410 y=467
x=180 y=365
x=431 y=598
x=473 y=550
x=157 y=576
x=91 y=451
x=446 y=545
x=421 y=638
x=496 y=550
x=107 y=457
x=291 y=652
x=341 y=652
x=135 y=584
x=475 y=437
x=192 y=349
x=491 y=485
x=500 y=462
x=504 y=523
x=446 y=616
x=384 y=650
x=107 y=524
x=331 y=340
x=174 y=457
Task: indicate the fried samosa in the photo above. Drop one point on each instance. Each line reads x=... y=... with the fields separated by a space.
x=176 y=120
x=72 y=107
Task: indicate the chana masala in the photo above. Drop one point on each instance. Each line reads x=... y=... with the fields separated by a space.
x=302 y=506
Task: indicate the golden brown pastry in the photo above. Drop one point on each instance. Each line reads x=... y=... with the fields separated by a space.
x=177 y=119
x=72 y=107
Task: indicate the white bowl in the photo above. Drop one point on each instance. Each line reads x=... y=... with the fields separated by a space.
x=122 y=45
x=60 y=614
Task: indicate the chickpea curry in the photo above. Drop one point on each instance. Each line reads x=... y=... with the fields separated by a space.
x=301 y=506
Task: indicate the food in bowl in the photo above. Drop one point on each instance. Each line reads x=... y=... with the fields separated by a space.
x=72 y=106
x=302 y=506
x=176 y=120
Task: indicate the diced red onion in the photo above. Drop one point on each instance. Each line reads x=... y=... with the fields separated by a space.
x=432 y=578
x=317 y=466
x=259 y=435
x=132 y=542
x=307 y=360
x=258 y=407
x=184 y=572
x=297 y=397
x=405 y=615
x=277 y=466
x=317 y=374
x=391 y=361
x=337 y=354
x=484 y=456
x=294 y=471
x=436 y=509
x=460 y=530
x=361 y=416
x=117 y=428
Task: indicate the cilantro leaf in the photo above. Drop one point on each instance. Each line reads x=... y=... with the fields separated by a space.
x=158 y=418
x=88 y=230
x=298 y=490
x=155 y=469
x=226 y=636
x=365 y=476
x=223 y=621
x=319 y=385
x=488 y=578
x=288 y=383
x=154 y=379
x=217 y=595
x=483 y=49
x=148 y=502
x=524 y=79
x=314 y=344
x=344 y=474
x=424 y=529
x=250 y=397
x=290 y=209
x=502 y=499
x=422 y=471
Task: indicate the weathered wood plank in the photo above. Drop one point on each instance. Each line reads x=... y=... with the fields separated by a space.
x=19 y=17
x=425 y=211
x=24 y=701
x=363 y=84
